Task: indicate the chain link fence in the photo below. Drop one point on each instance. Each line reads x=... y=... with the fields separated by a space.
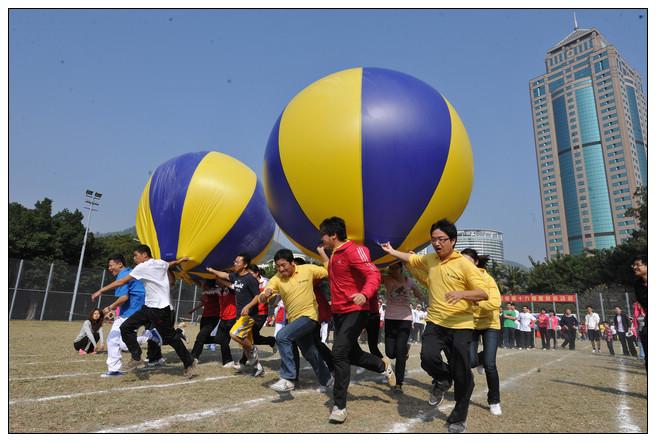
x=44 y=291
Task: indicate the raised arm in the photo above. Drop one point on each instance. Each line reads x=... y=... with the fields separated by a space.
x=387 y=247
x=178 y=261
x=219 y=274
x=118 y=301
x=322 y=255
x=119 y=282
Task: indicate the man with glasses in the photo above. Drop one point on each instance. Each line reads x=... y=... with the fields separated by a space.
x=455 y=284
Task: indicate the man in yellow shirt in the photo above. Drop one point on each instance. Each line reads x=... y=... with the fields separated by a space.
x=295 y=284
x=454 y=284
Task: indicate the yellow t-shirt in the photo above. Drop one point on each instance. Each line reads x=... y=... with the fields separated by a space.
x=486 y=313
x=454 y=274
x=297 y=291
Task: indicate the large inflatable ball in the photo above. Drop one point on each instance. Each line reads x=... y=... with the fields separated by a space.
x=207 y=206
x=379 y=148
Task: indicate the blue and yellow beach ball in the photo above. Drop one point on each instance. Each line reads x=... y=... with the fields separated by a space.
x=207 y=206
x=379 y=148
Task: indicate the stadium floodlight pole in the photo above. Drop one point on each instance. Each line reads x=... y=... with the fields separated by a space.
x=92 y=197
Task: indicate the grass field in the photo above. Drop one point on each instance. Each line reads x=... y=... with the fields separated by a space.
x=53 y=389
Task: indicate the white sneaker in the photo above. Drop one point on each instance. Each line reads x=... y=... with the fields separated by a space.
x=338 y=416
x=283 y=385
x=359 y=370
x=495 y=409
x=259 y=370
x=232 y=364
x=389 y=372
x=480 y=369
x=238 y=367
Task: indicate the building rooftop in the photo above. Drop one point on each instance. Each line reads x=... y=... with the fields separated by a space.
x=575 y=35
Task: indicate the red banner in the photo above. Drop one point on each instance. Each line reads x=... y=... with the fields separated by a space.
x=540 y=297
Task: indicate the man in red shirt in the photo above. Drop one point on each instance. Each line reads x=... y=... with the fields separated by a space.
x=354 y=281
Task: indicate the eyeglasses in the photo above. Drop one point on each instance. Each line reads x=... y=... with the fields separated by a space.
x=440 y=240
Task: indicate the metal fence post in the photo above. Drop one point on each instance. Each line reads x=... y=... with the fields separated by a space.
x=102 y=284
x=177 y=307
x=629 y=311
x=13 y=298
x=194 y=304
x=553 y=303
x=601 y=301
x=45 y=296
x=578 y=313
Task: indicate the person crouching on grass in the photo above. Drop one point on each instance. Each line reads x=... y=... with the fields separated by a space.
x=90 y=339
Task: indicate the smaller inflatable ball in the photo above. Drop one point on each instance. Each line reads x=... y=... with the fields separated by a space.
x=379 y=148
x=207 y=206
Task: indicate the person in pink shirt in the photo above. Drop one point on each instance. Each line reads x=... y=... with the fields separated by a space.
x=552 y=327
x=398 y=318
x=542 y=323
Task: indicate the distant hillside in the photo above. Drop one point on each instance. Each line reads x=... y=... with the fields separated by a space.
x=515 y=264
x=129 y=231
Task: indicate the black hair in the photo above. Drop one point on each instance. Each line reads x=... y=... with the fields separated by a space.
x=551 y=311
x=299 y=261
x=445 y=226
x=143 y=248
x=333 y=226
x=588 y=306
x=285 y=254
x=480 y=260
x=254 y=268
x=246 y=258
x=642 y=258
x=543 y=310
x=117 y=257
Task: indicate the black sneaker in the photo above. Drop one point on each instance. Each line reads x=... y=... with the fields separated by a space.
x=436 y=396
x=458 y=427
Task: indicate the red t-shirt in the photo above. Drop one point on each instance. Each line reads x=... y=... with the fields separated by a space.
x=263 y=307
x=324 y=308
x=350 y=271
x=228 y=304
x=280 y=315
x=210 y=300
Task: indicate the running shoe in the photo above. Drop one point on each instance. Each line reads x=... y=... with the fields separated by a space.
x=397 y=389
x=155 y=364
x=283 y=385
x=338 y=415
x=328 y=386
x=238 y=367
x=190 y=372
x=259 y=371
x=436 y=395
x=231 y=364
x=359 y=370
x=495 y=409
x=252 y=357
x=458 y=427
x=389 y=372
x=112 y=374
x=133 y=363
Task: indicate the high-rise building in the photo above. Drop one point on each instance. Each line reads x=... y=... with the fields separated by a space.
x=590 y=123
x=485 y=242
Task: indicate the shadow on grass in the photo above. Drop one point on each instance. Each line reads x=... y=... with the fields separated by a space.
x=603 y=389
x=619 y=369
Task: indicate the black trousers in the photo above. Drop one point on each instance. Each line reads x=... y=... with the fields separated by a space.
x=569 y=337
x=159 y=318
x=397 y=333
x=346 y=351
x=207 y=324
x=551 y=334
x=258 y=339
x=85 y=343
x=627 y=344
x=543 y=337
x=456 y=346
x=373 y=334
x=609 y=344
x=324 y=351
x=223 y=339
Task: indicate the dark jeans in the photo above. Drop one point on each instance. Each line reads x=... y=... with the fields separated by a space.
x=397 y=333
x=509 y=337
x=373 y=334
x=643 y=340
x=86 y=345
x=207 y=324
x=543 y=337
x=551 y=334
x=302 y=333
x=488 y=359
x=159 y=318
x=223 y=339
x=569 y=337
x=456 y=345
x=610 y=347
x=627 y=344
x=346 y=351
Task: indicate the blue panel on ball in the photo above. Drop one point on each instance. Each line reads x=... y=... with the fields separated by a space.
x=406 y=134
x=250 y=234
x=168 y=190
x=284 y=207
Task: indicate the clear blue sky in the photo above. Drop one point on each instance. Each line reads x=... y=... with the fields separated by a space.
x=100 y=98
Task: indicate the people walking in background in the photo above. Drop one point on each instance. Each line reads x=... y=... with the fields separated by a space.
x=543 y=323
x=91 y=338
x=526 y=319
x=569 y=324
x=552 y=329
x=421 y=321
x=622 y=326
x=509 y=317
x=592 y=325
x=607 y=336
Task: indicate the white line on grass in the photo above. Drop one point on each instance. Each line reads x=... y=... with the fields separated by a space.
x=403 y=427
x=112 y=390
x=624 y=421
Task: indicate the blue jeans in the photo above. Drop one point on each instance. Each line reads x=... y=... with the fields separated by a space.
x=488 y=359
x=300 y=332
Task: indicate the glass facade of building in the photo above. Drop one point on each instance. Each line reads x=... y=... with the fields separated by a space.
x=485 y=242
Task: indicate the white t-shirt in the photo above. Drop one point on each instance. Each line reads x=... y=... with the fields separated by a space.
x=525 y=321
x=154 y=276
x=592 y=321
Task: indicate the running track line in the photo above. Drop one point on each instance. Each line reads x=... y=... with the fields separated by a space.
x=624 y=421
x=403 y=427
